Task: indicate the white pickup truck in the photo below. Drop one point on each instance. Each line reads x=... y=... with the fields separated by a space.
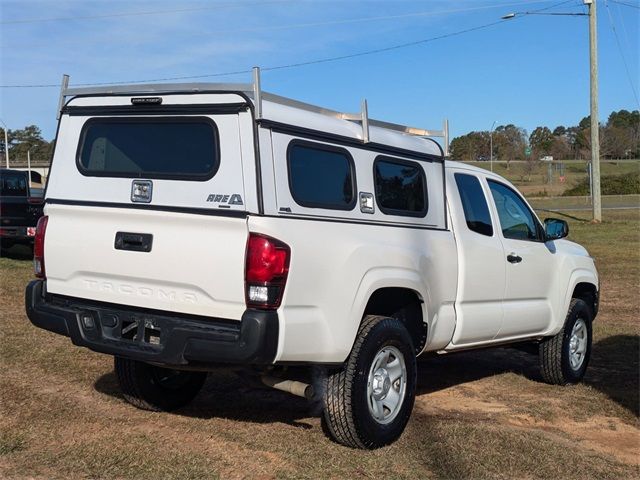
x=192 y=226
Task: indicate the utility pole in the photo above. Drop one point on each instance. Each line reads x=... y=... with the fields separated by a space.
x=29 y=165
x=6 y=144
x=593 y=77
x=491 y=145
x=595 y=125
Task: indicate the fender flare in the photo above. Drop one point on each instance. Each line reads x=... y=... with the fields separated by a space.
x=386 y=277
x=579 y=275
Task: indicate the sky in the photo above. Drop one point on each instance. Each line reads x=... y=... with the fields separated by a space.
x=532 y=70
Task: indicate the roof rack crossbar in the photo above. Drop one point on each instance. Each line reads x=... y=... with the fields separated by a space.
x=254 y=91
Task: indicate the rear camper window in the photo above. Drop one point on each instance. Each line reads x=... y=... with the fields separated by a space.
x=401 y=187
x=321 y=176
x=178 y=148
x=13 y=185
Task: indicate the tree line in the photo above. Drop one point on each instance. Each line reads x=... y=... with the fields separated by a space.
x=21 y=141
x=619 y=138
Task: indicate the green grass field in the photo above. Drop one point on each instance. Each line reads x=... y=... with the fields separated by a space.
x=584 y=203
x=537 y=185
x=482 y=414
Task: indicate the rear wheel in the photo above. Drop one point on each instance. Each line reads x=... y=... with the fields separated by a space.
x=565 y=356
x=156 y=388
x=367 y=404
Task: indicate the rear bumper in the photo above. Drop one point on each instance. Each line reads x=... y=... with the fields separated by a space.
x=163 y=338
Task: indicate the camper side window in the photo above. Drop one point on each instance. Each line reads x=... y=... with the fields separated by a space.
x=401 y=187
x=321 y=176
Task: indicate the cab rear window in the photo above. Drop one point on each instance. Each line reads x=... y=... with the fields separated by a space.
x=175 y=147
x=13 y=185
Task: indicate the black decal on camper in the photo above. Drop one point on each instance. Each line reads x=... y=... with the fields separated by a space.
x=229 y=199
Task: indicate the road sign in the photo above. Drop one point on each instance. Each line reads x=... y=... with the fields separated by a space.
x=527 y=151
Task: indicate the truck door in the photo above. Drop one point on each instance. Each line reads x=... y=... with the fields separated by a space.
x=481 y=264
x=529 y=263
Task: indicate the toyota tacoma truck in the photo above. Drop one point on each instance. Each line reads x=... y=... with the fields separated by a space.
x=20 y=209
x=193 y=226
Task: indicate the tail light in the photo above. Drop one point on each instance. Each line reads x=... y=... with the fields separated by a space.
x=266 y=269
x=38 y=247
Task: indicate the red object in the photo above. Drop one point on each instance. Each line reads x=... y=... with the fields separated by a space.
x=38 y=247
x=266 y=265
x=31 y=231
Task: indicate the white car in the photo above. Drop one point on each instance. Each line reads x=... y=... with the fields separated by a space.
x=189 y=226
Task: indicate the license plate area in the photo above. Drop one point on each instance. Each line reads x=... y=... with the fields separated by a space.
x=146 y=331
x=134 y=328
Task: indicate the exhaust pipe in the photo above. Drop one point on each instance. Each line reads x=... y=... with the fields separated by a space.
x=290 y=386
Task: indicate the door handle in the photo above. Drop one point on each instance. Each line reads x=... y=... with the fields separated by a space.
x=513 y=258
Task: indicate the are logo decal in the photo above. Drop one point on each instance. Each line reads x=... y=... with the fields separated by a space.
x=234 y=199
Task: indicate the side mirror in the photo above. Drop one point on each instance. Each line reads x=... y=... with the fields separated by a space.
x=555 y=229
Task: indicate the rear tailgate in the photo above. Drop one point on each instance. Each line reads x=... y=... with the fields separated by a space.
x=147 y=206
x=19 y=211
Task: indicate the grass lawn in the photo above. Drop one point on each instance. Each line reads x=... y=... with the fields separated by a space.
x=574 y=172
x=608 y=201
x=483 y=414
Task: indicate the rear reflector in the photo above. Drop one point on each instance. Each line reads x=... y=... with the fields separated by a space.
x=266 y=270
x=38 y=247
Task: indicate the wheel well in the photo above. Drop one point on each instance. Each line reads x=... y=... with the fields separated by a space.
x=589 y=293
x=403 y=304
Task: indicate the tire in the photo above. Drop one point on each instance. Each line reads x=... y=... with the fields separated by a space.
x=155 y=388
x=349 y=394
x=558 y=365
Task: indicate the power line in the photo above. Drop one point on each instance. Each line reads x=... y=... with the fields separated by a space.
x=143 y=13
x=552 y=6
x=625 y=4
x=294 y=65
x=385 y=49
x=354 y=20
x=187 y=10
x=624 y=59
x=620 y=20
x=276 y=67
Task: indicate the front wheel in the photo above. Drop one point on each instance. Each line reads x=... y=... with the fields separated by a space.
x=368 y=402
x=156 y=388
x=565 y=356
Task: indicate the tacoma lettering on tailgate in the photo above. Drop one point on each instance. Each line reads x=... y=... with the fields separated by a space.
x=146 y=292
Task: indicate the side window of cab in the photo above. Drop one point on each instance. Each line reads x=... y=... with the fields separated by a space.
x=517 y=221
x=474 y=204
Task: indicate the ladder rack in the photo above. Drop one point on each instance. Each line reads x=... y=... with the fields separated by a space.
x=254 y=90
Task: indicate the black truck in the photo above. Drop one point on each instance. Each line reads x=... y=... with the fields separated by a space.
x=20 y=209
